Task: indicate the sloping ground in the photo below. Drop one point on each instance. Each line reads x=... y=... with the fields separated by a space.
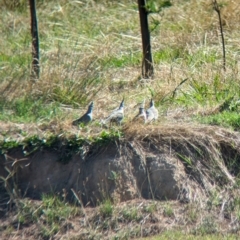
x=182 y=163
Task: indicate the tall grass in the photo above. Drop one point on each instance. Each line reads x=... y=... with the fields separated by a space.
x=92 y=51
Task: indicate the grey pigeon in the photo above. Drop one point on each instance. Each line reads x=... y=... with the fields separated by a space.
x=141 y=116
x=152 y=112
x=86 y=118
x=116 y=116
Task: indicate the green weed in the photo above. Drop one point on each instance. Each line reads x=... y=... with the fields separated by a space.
x=157 y=6
x=192 y=213
x=54 y=209
x=113 y=176
x=186 y=160
x=131 y=214
x=225 y=119
x=214 y=199
x=168 y=211
x=208 y=226
x=151 y=208
x=180 y=235
x=167 y=55
x=130 y=59
x=49 y=214
x=106 y=208
x=29 y=110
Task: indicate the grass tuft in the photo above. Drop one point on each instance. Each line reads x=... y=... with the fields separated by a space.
x=106 y=208
x=50 y=214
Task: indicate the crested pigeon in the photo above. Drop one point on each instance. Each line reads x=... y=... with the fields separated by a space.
x=141 y=116
x=86 y=118
x=116 y=116
x=152 y=112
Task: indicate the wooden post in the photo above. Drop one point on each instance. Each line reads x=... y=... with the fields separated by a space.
x=35 y=40
x=147 y=64
x=217 y=9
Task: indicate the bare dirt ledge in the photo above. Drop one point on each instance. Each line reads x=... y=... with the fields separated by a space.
x=181 y=162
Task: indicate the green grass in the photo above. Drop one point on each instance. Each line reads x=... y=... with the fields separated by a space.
x=131 y=214
x=206 y=94
x=24 y=110
x=200 y=58
x=151 y=208
x=168 y=55
x=72 y=144
x=178 y=235
x=49 y=215
x=226 y=119
x=89 y=49
x=168 y=210
x=106 y=208
x=128 y=59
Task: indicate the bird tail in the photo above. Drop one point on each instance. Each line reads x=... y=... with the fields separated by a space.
x=90 y=107
x=121 y=104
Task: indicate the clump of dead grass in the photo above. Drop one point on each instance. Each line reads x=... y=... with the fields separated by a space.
x=200 y=148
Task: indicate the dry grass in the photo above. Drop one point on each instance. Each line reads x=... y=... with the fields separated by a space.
x=81 y=44
x=132 y=220
x=209 y=153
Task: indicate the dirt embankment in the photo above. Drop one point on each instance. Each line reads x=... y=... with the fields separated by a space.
x=180 y=162
x=192 y=168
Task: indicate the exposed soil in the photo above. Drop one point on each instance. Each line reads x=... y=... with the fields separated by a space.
x=153 y=167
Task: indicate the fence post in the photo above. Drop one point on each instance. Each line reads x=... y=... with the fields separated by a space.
x=35 y=40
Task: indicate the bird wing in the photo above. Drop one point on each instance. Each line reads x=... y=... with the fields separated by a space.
x=140 y=115
x=155 y=112
x=150 y=114
x=116 y=115
x=84 y=119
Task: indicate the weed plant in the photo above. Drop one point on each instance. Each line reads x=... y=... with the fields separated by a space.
x=106 y=208
x=50 y=215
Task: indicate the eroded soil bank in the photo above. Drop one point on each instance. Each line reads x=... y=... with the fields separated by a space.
x=164 y=163
x=182 y=163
